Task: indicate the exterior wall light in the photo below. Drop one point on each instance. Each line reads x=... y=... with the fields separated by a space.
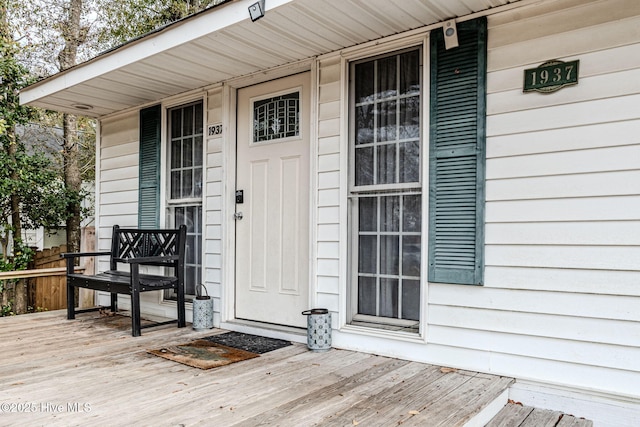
x=256 y=10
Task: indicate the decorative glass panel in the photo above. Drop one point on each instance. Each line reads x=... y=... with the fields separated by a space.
x=276 y=118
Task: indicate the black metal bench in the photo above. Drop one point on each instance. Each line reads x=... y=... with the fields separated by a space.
x=134 y=247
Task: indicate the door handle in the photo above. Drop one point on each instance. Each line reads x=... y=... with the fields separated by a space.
x=237 y=216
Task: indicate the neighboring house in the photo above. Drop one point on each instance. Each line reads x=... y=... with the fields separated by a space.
x=335 y=153
x=48 y=139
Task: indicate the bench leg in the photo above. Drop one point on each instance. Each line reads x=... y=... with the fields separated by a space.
x=114 y=303
x=135 y=314
x=71 y=302
x=181 y=311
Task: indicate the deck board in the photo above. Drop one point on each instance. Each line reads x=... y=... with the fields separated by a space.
x=518 y=415
x=49 y=361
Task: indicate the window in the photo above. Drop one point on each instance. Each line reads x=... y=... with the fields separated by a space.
x=385 y=190
x=276 y=118
x=185 y=184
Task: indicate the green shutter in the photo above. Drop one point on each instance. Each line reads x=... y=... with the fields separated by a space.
x=149 y=184
x=457 y=156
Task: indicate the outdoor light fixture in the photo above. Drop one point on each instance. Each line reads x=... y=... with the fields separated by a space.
x=256 y=10
x=83 y=107
x=450 y=34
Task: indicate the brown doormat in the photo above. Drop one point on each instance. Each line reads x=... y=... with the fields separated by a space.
x=203 y=354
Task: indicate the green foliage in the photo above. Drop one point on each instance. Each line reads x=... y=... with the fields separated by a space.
x=127 y=19
x=22 y=256
x=14 y=77
x=6 y=310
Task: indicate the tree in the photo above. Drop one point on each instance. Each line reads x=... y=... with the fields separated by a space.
x=125 y=20
x=30 y=194
x=74 y=35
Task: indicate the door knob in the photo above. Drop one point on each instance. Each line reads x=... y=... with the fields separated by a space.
x=237 y=216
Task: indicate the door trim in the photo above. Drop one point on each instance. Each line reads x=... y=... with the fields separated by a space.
x=230 y=119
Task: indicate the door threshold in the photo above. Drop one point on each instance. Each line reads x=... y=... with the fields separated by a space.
x=268 y=330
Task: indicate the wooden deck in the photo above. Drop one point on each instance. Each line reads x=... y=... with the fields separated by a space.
x=92 y=372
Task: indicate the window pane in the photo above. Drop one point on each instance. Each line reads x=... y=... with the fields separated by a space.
x=411 y=256
x=187 y=152
x=387 y=77
x=364 y=80
x=390 y=213
x=197 y=182
x=364 y=166
x=367 y=254
x=175 y=185
x=364 y=124
x=410 y=161
x=176 y=154
x=389 y=297
x=176 y=123
x=410 y=118
x=412 y=216
x=386 y=164
x=411 y=299
x=410 y=73
x=390 y=255
x=187 y=121
x=198 y=119
x=367 y=214
x=187 y=183
x=387 y=121
x=367 y=295
x=197 y=151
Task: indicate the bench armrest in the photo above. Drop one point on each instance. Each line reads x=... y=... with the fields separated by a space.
x=82 y=254
x=148 y=259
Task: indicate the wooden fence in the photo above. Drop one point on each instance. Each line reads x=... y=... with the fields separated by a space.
x=48 y=292
x=45 y=280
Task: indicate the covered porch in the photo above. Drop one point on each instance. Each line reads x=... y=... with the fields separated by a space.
x=92 y=372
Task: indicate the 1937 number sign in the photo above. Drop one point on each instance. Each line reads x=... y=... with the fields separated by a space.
x=551 y=76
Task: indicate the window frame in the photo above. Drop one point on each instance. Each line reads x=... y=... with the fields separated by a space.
x=353 y=318
x=171 y=204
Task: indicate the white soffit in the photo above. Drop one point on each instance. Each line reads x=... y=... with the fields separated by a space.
x=223 y=43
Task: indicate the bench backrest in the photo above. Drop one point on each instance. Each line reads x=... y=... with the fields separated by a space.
x=135 y=243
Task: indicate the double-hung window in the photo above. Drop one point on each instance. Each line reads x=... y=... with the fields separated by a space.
x=386 y=190
x=185 y=184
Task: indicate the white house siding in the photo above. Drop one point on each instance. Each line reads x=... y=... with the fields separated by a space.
x=328 y=183
x=213 y=203
x=561 y=299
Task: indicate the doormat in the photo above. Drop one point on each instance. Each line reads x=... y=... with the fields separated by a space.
x=203 y=354
x=248 y=342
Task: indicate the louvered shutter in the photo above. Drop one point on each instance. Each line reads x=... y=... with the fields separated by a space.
x=149 y=179
x=457 y=156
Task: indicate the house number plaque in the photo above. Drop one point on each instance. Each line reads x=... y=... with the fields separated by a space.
x=214 y=130
x=551 y=76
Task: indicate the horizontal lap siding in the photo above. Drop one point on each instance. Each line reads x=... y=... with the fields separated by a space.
x=213 y=204
x=328 y=181
x=118 y=198
x=562 y=273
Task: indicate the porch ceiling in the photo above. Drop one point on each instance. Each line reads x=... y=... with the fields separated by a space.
x=222 y=43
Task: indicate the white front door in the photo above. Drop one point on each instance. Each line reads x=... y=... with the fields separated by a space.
x=272 y=219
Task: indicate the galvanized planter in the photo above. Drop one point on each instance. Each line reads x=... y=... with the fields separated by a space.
x=318 y=329
x=202 y=310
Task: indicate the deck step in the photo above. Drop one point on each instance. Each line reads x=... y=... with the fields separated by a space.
x=517 y=415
